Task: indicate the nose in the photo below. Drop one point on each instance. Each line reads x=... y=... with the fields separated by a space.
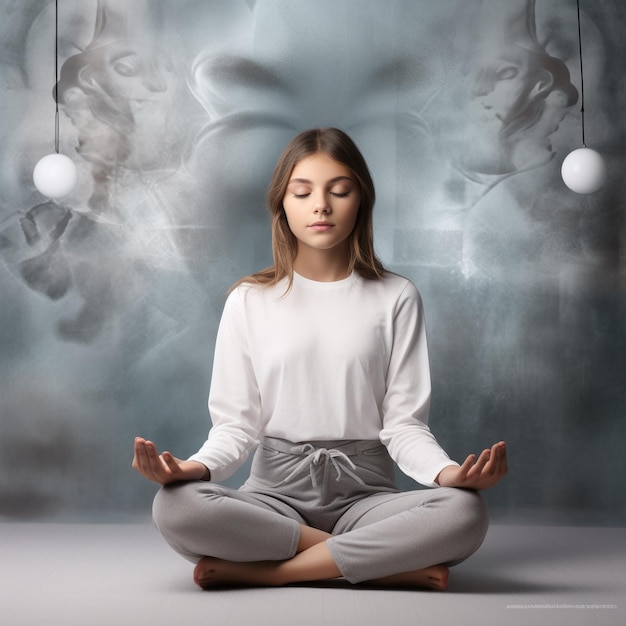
x=155 y=81
x=482 y=86
x=322 y=207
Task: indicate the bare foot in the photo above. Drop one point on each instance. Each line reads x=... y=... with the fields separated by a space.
x=212 y=573
x=310 y=565
x=314 y=563
x=435 y=577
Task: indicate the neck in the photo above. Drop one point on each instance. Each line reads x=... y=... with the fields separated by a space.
x=322 y=265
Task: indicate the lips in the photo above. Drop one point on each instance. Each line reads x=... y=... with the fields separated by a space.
x=321 y=226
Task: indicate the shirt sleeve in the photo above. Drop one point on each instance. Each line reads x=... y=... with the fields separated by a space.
x=234 y=399
x=406 y=403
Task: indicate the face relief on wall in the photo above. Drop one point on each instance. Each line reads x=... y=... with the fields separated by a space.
x=175 y=113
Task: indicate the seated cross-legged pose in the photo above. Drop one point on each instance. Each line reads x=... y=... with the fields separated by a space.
x=321 y=362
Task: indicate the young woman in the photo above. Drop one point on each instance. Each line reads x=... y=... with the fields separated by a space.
x=322 y=359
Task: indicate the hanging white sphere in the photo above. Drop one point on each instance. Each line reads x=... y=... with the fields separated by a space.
x=55 y=175
x=584 y=170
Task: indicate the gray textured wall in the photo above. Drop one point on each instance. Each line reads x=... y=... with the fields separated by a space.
x=175 y=112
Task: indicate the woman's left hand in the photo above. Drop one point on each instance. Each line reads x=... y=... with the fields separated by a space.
x=477 y=473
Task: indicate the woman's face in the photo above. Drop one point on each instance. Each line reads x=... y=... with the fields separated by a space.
x=321 y=202
x=142 y=88
x=501 y=79
x=508 y=86
x=135 y=71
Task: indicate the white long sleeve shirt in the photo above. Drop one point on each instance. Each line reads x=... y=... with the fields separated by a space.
x=328 y=360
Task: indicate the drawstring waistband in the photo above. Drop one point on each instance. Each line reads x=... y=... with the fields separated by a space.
x=317 y=456
x=320 y=471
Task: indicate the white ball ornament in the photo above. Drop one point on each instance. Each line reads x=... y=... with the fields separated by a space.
x=584 y=170
x=55 y=175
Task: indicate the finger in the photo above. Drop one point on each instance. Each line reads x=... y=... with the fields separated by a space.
x=502 y=463
x=142 y=461
x=467 y=465
x=141 y=454
x=155 y=463
x=492 y=465
x=136 y=451
x=137 y=445
x=480 y=464
x=495 y=470
x=171 y=462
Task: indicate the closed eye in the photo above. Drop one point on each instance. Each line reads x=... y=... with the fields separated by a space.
x=336 y=194
x=506 y=73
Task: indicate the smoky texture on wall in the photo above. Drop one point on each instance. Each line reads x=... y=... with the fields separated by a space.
x=175 y=112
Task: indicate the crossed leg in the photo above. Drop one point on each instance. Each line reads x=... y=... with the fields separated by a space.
x=419 y=533
x=312 y=562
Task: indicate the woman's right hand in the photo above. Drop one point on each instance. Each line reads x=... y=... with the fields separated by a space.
x=165 y=468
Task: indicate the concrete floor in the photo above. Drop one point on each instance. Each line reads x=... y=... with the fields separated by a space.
x=124 y=574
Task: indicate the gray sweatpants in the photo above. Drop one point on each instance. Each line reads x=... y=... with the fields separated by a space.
x=345 y=488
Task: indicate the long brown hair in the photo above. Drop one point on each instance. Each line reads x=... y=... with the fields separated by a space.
x=338 y=146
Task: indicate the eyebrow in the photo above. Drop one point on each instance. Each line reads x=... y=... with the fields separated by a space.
x=332 y=180
x=122 y=54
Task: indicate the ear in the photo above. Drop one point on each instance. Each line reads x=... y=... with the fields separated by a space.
x=543 y=85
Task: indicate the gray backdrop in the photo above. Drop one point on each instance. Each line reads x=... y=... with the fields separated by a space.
x=175 y=111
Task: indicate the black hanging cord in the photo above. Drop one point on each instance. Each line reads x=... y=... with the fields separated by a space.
x=56 y=75
x=582 y=82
